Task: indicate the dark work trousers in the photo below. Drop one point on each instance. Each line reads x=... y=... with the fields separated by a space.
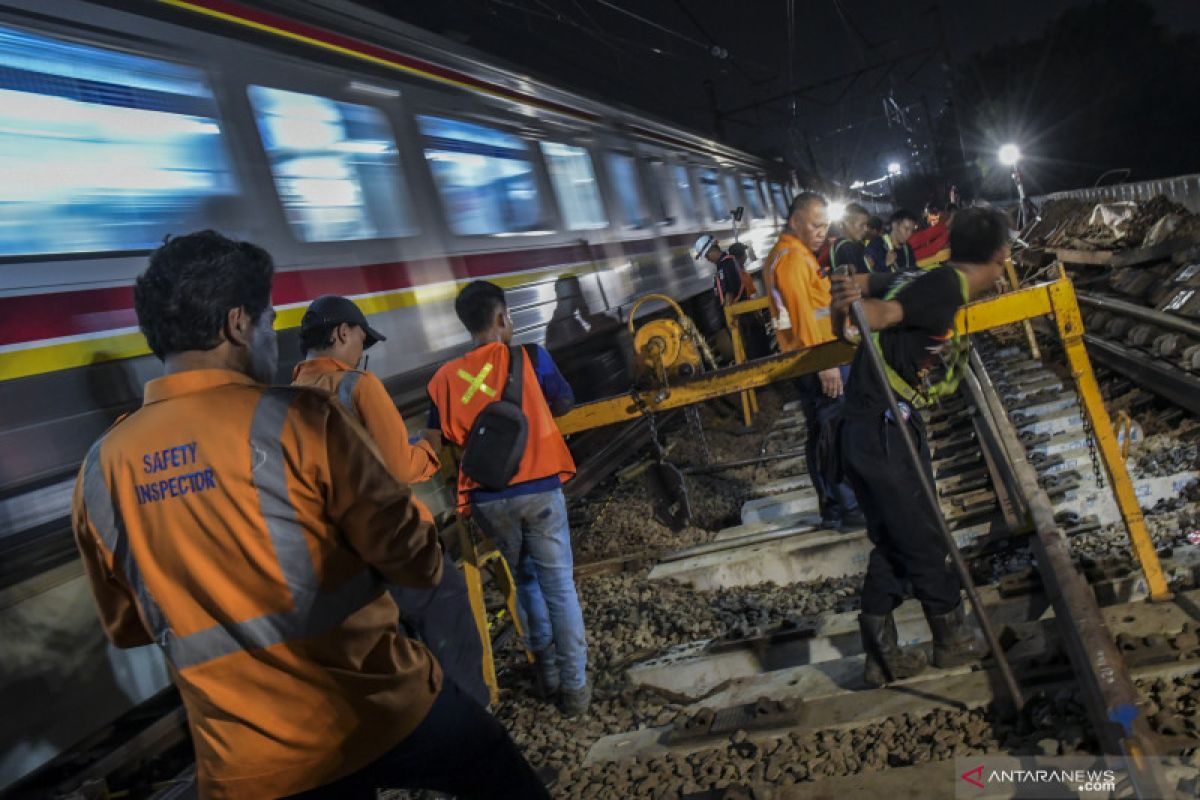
x=821 y=417
x=900 y=522
x=459 y=748
x=441 y=618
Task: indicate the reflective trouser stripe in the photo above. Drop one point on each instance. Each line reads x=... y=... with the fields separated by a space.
x=345 y=393
x=315 y=611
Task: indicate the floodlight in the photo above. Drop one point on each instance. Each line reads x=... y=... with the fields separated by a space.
x=857 y=185
x=1009 y=154
x=836 y=209
x=894 y=168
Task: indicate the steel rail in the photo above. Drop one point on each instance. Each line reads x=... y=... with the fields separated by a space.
x=1109 y=693
x=1159 y=318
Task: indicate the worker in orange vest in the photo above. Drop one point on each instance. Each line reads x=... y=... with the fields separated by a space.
x=335 y=335
x=800 y=299
x=247 y=531
x=526 y=517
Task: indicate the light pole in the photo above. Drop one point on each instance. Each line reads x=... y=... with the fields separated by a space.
x=1010 y=156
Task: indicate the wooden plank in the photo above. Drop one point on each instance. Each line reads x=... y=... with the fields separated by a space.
x=1122 y=258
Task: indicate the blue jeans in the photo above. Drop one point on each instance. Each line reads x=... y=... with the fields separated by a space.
x=822 y=415
x=531 y=533
x=441 y=617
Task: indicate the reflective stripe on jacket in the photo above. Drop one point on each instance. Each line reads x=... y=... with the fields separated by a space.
x=247 y=531
x=465 y=386
x=800 y=294
x=364 y=396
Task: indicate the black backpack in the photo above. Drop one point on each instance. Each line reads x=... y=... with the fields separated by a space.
x=498 y=436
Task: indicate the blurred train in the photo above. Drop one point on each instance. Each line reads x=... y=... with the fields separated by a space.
x=372 y=160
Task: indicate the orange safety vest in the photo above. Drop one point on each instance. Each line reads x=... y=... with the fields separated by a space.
x=248 y=532
x=466 y=385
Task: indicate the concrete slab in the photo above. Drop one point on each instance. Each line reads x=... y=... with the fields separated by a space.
x=765 y=509
x=795 y=521
x=1090 y=499
x=784 y=559
x=790 y=483
x=1058 y=422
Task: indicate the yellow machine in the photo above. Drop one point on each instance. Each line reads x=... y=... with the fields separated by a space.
x=667 y=350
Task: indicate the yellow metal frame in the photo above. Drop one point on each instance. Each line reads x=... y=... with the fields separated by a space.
x=473 y=563
x=732 y=312
x=1055 y=299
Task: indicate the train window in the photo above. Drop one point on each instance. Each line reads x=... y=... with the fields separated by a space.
x=101 y=150
x=574 y=182
x=781 y=204
x=622 y=169
x=683 y=187
x=485 y=177
x=710 y=185
x=335 y=166
x=753 y=198
x=731 y=190
x=660 y=191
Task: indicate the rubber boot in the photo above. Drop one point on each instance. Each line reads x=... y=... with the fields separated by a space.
x=885 y=660
x=954 y=640
x=575 y=702
x=545 y=666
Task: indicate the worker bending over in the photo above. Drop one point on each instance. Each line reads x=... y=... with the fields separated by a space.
x=248 y=532
x=891 y=252
x=800 y=299
x=728 y=283
x=334 y=335
x=913 y=317
x=527 y=517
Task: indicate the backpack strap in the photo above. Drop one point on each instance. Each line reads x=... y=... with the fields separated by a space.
x=516 y=375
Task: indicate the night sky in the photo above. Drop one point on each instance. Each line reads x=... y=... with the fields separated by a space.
x=660 y=63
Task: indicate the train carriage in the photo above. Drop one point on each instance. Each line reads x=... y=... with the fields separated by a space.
x=371 y=159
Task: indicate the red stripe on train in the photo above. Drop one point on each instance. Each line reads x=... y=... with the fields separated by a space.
x=269 y=20
x=32 y=318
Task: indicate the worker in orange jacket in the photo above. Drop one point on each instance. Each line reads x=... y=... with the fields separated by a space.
x=247 y=532
x=800 y=303
x=335 y=334
x=527 y=517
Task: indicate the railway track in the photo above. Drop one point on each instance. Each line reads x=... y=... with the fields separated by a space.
x=761 y=693
x=728 y=663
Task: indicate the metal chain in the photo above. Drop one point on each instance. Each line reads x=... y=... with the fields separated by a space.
x=693 y=414
x=1091 y=439
x=645 y=411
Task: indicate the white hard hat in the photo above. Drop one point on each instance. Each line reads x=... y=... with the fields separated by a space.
x=703 y=245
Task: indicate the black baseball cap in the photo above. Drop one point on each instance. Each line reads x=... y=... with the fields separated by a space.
x=330 y=310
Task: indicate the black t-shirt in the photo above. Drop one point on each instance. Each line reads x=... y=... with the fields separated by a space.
x=930 y=300
x=728 y=281
x=848 y=251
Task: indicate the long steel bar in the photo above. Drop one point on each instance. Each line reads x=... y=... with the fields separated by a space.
x=1108 y=690
x=1159 y=318
x=925 y=480
x=710 y=385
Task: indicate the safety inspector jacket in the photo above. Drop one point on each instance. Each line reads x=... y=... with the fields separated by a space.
x=799 y=293
x=362 y=394
x=465 y=386
x=248 y=531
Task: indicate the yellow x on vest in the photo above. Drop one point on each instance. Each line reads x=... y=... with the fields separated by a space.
x=475 y=383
